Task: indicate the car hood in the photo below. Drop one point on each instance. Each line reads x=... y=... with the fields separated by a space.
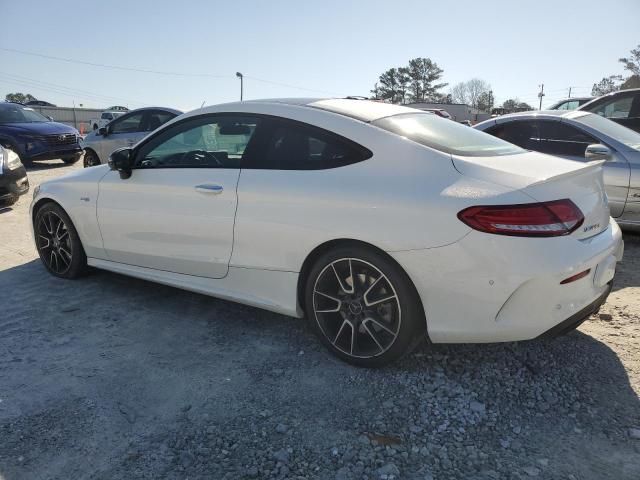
x=82 y=175
x=39 y=128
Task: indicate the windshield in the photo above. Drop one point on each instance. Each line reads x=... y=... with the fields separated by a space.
x=14 y=113
x=446 y=135
x=612 y=129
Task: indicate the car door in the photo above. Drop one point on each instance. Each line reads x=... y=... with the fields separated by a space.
x=568 y=141
x=124 y=131
x=176 y=211
x=290 y=166
x=623 y=109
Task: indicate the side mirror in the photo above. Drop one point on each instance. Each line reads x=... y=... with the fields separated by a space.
x=597 y=151
x=121 y=161
x=104 y=131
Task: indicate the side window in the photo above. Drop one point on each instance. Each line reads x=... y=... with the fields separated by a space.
x=209 y=142
x=522 y=133
x=127 y=123
x=617 y=108
x=569 y=105
x=297 y=146
x=106 y=116
x=155 y=119
x=558 y=138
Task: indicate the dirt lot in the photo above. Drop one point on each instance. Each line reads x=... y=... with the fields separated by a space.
x=114 y=378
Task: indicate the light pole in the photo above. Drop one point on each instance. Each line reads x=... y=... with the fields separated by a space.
x=241 y=77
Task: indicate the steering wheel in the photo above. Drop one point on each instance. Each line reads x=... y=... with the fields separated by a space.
x=197 y=156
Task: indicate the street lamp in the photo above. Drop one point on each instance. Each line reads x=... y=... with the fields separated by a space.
x=241 y=77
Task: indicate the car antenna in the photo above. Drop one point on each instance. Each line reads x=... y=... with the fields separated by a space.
x=202 y=103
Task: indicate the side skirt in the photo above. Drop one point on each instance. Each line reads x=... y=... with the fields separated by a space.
x=269 y=289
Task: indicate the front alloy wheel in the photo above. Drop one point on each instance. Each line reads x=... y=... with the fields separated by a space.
x=364 y=308
x=58 y=243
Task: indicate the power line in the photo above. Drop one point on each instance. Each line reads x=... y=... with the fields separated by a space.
x=115 y=67
x=293 y=86
x=62 y=89
x=159 y=72
x=67 y=93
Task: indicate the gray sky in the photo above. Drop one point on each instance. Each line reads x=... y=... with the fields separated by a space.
x=304 y=48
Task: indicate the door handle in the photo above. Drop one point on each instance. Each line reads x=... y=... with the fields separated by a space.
x=209 y=188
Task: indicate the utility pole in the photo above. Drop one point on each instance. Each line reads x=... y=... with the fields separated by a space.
x=75 y=118
x=541 y=94
x=570 y=91
x=241 y=77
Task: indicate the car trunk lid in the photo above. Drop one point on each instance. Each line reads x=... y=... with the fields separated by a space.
x=545 y=178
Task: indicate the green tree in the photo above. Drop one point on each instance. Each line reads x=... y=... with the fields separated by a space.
x=606 y=85
x=404 y=81
x=19 y=97
x=632 y=82
x=389 y=88
x=632 y=63
x=514 y=104
x=423 y=74
x=485 y=101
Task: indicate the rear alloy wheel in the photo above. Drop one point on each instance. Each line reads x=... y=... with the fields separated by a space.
x=363 y=307
x=90 y=159
x=58 y=243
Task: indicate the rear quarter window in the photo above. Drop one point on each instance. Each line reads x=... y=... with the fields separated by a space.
x=446 y=135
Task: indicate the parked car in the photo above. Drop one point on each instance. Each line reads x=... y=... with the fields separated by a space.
x=583 y=137
x=35 y=137
x=13 y=177
x=124 y=131
x=570 y=103
x=38 y=103
x=622 y=107
x=379 y=222
x=104 y=119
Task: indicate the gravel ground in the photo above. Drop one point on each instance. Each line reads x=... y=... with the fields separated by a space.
x=115 y=378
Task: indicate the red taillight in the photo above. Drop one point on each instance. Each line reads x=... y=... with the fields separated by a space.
x=546 y=219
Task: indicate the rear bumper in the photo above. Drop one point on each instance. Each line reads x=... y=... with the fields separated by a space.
x=575 y=320
x=491 y=288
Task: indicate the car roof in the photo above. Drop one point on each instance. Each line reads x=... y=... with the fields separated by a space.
x=608 y=95
x=364 y=110
x=143 y=109
x=532 y=115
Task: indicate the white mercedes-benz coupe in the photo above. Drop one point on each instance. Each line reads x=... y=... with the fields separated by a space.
x=381 y=224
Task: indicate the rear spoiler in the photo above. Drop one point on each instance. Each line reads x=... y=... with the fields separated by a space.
x=587 y=167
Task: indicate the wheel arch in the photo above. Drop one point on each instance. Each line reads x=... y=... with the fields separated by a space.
x=92 y=150
x=40 y=203
x=318 y=251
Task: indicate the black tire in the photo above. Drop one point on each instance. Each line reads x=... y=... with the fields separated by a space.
x=67 y=252
x=95 y=126
x=374 y=320
x=71 y=161
x=90 y=159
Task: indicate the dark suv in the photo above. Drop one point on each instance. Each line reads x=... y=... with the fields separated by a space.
x=35 y=137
